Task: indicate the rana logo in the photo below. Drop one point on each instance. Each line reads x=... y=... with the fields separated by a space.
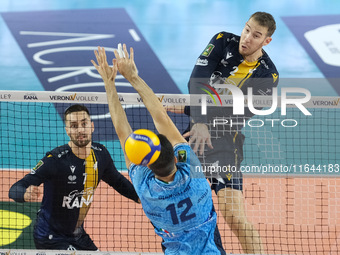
x=78 y=199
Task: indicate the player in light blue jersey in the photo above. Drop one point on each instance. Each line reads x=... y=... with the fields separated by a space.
x=175 y=196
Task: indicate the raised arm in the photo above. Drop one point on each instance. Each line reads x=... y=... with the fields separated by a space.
x=118 y=116
x=163 y=123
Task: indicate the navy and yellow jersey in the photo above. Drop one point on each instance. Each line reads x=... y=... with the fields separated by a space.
x=181 y=211
x=69 y=185
x=221 y=63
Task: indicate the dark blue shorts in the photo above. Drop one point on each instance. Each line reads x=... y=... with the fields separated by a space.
x=58 y=242
x=222 y=163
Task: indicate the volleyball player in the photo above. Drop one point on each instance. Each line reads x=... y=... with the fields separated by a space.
x=238 y=61
x=70 y=174
x=176 y=199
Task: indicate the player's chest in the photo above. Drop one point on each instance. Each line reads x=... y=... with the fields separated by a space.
x=77 y=173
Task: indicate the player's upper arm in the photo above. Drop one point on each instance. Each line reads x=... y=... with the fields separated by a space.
x=127 y=161
x=165 y=126
x=209 y=59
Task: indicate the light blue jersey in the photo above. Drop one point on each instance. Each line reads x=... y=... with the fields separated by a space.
x=182 y=211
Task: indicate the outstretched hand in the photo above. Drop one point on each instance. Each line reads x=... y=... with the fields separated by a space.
x=125 y=63
x=199 y=136
x=103 y=68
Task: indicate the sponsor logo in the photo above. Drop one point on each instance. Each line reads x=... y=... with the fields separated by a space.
x=77 y=199
x=224 y=62
x=5 y=96
x=64 y=98
x=72 y=168
x=208 y=50
x=62 y=153
x=72 y=179
x=38 y=165
x=96 y=148
x=206 y=90
x=202 y=62
x=274 y=77
x=220 y=35
x=229 y=55
x=264 y=63
x=160 y=98
x=326 y=102
x=167 y=100
x=30 y=96
x=74 y=97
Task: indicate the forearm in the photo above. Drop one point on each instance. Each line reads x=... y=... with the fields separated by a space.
x=150 y=100
x=17 y=192
x=126 y=189
x=118 y=116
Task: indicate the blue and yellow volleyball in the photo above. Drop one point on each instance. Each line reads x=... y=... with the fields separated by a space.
x=142 y=147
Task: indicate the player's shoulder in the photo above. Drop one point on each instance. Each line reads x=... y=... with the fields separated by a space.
x=267 y=63
x=59 y=152
x=267 y=68
x=225 y=38
x=226 y=35
x=98 y=147
x=140 y=174
x=101 y=151
x=181 y=145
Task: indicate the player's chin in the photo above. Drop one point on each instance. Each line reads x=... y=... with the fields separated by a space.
x=243 y=51
x=81 y=143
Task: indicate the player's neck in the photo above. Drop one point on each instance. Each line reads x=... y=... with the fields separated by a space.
x=80 y=152
x=168 y=178
x=254 y=57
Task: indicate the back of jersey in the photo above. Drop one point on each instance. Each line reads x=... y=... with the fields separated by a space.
x=184 y=204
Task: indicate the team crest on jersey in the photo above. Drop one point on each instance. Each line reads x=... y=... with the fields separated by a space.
x=39 y=164
x=208 y=50
x=182 y=156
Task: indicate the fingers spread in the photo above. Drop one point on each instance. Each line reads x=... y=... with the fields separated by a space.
x=131 y=54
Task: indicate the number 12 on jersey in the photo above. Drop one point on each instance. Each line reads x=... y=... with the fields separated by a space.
x=184 y=216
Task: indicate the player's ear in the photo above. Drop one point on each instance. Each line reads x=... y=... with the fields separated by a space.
x=267 y=41
x=92 y=127
x=67 y=130
x=176 y=160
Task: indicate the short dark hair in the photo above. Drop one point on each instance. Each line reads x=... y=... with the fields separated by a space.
x=265 y=20
x=76 y=108
x=164 y=165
